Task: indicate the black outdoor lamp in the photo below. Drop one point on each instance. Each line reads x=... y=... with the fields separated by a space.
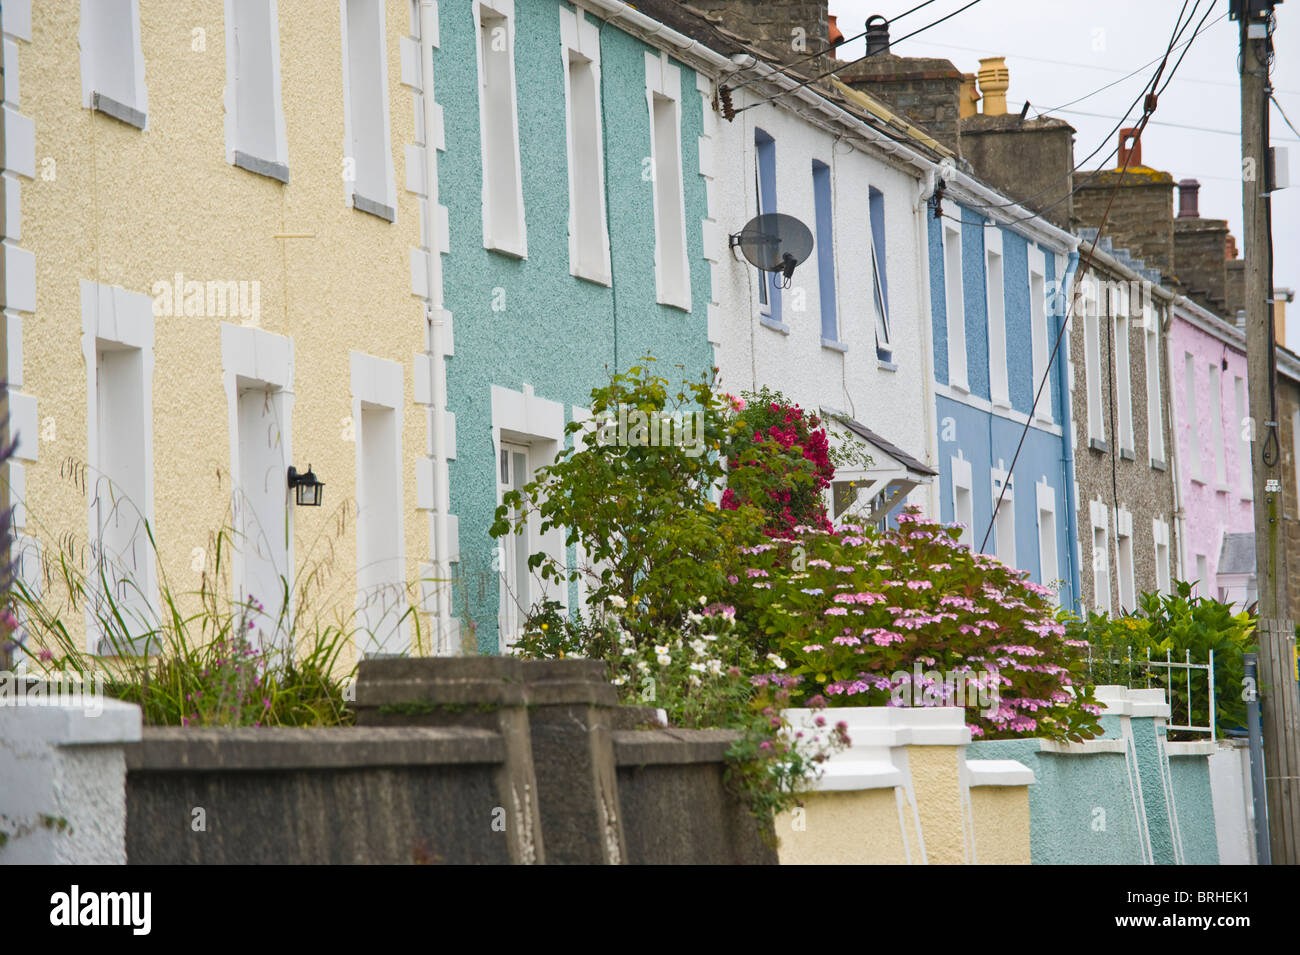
x=307 y=490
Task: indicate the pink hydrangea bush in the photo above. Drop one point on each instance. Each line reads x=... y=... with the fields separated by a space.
x=910 y=617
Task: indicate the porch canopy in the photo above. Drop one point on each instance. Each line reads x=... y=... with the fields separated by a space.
x=870 y=493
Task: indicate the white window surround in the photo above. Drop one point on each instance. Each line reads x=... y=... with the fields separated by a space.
x=1193 y=423
x=588 y=247
x=963 y=500
x=1155 y=396
x=504 y=224
x=377 y=386
x=1217 y=436
x=1245 y=466
x=255 y=141
x=113 y=316
x=1038 y=331
x=995 y=299
x=251 y=357
x=367 y=139
x=1092 y=362
x=521 y=418
x=1160 y=537
x=1124 y=376
x=1048 y=558
x=663 y=90
x=112 y=61
x=1125 y=560
x=1004 y=514
x=1100 y=515
x=955 y=306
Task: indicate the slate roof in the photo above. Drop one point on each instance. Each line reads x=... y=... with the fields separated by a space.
x=893 y=450
x=1237 y=555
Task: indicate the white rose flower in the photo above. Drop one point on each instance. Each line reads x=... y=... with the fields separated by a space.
x=776 y=661
x=617 y=602
x=664 y=659
x=699 y=646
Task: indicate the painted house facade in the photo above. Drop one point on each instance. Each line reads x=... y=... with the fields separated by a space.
x=996 y=318
x=204 y=216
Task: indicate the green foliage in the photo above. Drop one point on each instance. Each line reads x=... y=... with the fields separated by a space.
x=1172 y=626
x=880 y=618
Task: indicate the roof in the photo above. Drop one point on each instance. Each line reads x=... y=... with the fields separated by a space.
x=1237 y=555
x=891 y=449
x=694 y=23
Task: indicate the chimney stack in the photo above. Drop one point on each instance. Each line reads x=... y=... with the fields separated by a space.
x=1188 y=189
x=968 y=105
x=877 y=35
x=994 y=78
x=1130 y=149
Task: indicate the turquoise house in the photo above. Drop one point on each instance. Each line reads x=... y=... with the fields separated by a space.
x=569 y=172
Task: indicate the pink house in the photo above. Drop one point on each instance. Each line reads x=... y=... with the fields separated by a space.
x=1213 y=429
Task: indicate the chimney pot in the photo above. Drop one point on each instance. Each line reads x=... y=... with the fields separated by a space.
x=877 y=35
x=1130 y=149
x=994 y=79
x=1188 y=189
x=834 y=34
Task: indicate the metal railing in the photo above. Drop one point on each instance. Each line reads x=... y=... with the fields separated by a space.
x=1169 y=665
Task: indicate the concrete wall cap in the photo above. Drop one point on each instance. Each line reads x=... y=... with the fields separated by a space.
x=1192 y=748
x=999 y=772
x=68 y=725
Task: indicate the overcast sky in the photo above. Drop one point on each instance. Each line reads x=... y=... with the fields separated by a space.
x=1059 y=51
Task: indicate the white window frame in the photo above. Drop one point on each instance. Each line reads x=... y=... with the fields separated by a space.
x=1191 y=412
x=1245 y=466
x=955 y=307
x=1124 y=374
x=1160 y=537
x=663 y=82
x=114 y=317
x=1039 y=331
x=1124 y=561
x=522 y=419
x=1155 y=395
x=1216 y=427
x=1004 y=515
x=961 y=481
x=1049 y=563
x=362 y=111
x=995 y=298
x=123 y=96
x=1203 y=582
x=377 y=386
x=239 y=152
x=500 y=209
x=1092 y=360
x=1100 y=515
x=580 y=39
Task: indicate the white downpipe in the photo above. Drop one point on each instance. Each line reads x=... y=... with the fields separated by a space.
x=435 y=328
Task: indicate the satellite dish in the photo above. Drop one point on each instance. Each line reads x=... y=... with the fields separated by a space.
x=774 y=242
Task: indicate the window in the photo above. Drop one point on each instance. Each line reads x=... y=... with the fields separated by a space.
x=117 y=342
x=588 y=227
x=381 y=541
x=1193 y=424
x=664 y=95
x=255 y=138
x=1155 y=397
x=1245 y=466
x=368 y=154
x=769 y=293
x=516 y=591
x=1048 y=561
x=1124 y=378
x=1004 y=517
x=880 y=274
x=112 y=64
x=995 y=291
x=1038 y=331
x=1216 y=428
x=822 y=204
x=1092 y=363
x=1100 y=556
x=963 y=501
x=1202 y=588
x=1160 y=532
x=503 y=191
x=1124 y=559
x=955 y=306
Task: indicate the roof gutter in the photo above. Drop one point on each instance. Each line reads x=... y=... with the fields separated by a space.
x=648 y=28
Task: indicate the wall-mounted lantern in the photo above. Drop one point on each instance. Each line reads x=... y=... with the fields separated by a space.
x=307 y=489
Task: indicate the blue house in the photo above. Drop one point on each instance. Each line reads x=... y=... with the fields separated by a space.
x=996 y=317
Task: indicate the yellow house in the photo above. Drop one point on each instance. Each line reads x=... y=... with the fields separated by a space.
x=215 y=269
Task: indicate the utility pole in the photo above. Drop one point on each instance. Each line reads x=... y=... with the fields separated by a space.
x=1277 y=688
